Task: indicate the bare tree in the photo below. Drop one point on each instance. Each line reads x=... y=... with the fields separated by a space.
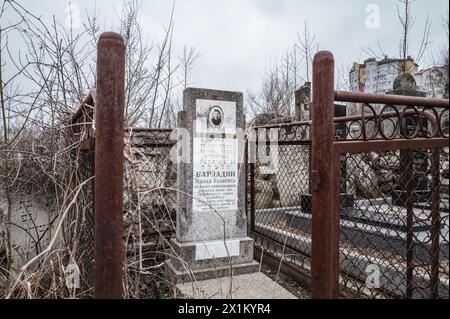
x=308 y=46
x=187 y=60
x=149 y=71
x=139 y=77
x=407 y=22
x=272 y=96
x=284 y=77
x=43 y=80
x=443 y=56
x=17 y=106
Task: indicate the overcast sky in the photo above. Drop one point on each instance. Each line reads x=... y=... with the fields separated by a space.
x=237 y=39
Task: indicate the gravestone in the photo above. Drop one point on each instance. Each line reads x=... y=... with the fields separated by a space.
x=32 y=224
x=290 y=163
x=211 y=237
x=341 y=134
x=405 y=84
x=303 y=102
x=303 y=112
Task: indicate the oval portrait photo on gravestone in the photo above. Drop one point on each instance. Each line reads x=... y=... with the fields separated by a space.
x=215 y=117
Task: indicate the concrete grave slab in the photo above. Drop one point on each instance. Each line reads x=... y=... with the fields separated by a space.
x=237 y=287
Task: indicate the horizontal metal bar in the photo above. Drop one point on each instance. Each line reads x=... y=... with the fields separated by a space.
x=370 y=116
x=284 y=143
x=359 y=97
x=389 y=145
x=282 y=125
x=148 y=130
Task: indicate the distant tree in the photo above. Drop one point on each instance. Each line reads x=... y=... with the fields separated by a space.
x=407 y=22
x=45 y=74
x=283 y=77
x=186 y=61
x=308 y=47
x=444 y=54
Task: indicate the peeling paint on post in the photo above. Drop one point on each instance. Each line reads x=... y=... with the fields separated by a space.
x=325 y=182
x=109 y=122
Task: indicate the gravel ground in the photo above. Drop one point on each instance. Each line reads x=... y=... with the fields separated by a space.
x=287 y=283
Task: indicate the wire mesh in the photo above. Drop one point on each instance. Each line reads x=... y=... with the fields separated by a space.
x=84 y=245
x=394 y=235
x=79 y=224
x=278 y=188
x=394 y=240
x=149 y=199
x=150 y=182
x=393 y=204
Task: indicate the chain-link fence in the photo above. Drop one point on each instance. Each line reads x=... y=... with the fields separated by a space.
x=149 y=201
x=279 y=198
x=393 y=225
x=79 y=224
x=149 y=194
x=84 y=243
x=392 y=201
x=394 y=238
x=394 y=234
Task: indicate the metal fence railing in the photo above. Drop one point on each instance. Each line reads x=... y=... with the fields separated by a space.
x=149 y=192
x=391 y=238
x=392 y=229
x=278 y=188
x=150 y=184
x=79 y=224
x=396 y=231
x=358 y=203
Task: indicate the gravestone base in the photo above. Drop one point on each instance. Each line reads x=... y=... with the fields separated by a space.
x=347 y=201
x=196 y=261
x=374 y=224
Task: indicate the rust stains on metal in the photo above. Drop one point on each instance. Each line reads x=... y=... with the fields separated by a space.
x=325 y=195
x=359 y=97
x=435 y=223
x=109 y=118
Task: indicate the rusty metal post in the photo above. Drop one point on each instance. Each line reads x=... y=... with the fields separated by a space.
x=435 y=223
x=253 y=158
x=248 y=187
x=324 y=182
x=109 y=120
x=409 y=183
x=91 y=222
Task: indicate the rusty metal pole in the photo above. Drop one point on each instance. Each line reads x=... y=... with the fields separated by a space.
x=109 y=120
x=253 y=157
x=408 y=181
x=435 y=223
x=324 y=182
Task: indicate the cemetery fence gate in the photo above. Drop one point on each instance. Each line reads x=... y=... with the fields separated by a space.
x=337 y=200
x=356 y=204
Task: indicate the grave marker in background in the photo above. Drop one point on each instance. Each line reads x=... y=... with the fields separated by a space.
x=406 y=85
x=211 y=216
